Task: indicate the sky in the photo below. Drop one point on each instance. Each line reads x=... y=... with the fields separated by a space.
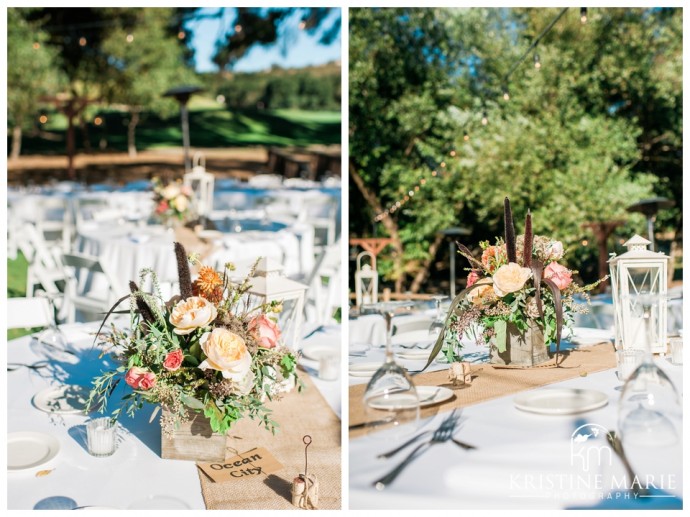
x=296 y=49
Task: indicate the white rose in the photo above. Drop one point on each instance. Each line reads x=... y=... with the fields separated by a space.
x=556 y=250
x=181 y=203
x=191 y=314
x=510 y=278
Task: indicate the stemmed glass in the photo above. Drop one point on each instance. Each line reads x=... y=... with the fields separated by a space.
x=649 y=407
x=52 y=336
x=439 y=321
x=390 y=399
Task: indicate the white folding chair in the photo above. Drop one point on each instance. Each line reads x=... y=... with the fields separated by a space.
x=201 y=183
x=90 y=288
x=320 y=210
x=45 y=267
x=54 y=221
x=24 y=313
x=323 y=295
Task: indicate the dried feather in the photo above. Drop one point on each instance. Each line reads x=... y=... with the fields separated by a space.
x=465 y=252
x=527 y=246
x=183 y=272
x=142 y=306
x=509 y=231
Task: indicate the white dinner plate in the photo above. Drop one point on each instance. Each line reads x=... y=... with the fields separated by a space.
x=64 y=400
x=358 y=348
x=317 y=350
x=364 y=369
x=560 y=401
x=414 y=354
x=27 y=450
x=428 y=396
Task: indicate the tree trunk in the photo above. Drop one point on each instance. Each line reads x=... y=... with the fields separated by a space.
x=131 y=128
x=16 y=142
x=388 y=223
x=84 y=134
x=71 y=172
x=423 y=273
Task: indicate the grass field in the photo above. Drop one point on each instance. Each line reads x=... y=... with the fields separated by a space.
x=210 y=126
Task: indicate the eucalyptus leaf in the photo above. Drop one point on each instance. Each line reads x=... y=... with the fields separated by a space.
x=191 y=402
x=500 y=328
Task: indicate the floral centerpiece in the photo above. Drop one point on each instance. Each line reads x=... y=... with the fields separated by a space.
x=173 y=201
x=518 y=298
x=208 y=350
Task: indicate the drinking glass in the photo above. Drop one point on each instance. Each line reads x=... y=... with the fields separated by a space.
x=439 y=321
x=52 y=336
x=649 y=409
x=101 y=436
x=391 y=401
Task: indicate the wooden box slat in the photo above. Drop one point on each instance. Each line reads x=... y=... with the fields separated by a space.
x=194 y=441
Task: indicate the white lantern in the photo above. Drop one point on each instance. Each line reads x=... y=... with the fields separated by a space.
x=202 y=184
x=639 y=286
x=269 y=284
x=366 y=280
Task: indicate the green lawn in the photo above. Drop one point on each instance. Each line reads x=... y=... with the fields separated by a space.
x=16 y=286
x=210 y=126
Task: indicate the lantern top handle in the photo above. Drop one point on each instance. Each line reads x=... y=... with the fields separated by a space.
x=637 y=250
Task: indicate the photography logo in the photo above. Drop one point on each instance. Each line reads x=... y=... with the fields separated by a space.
x=589 y=449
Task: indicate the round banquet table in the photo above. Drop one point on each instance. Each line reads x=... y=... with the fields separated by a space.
x=135 y=475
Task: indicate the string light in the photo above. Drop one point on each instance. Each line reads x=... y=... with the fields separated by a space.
x=97 y=121
x=302 y=25
x=485 y=119
x=506 y=95
x=43 y=119
x=130 y=38
x=238 y=28
x=82 y=41
x=583 y=14
x=466 y=137
x=452 y=153
x=537 y=62
x=585 y=242
x=36 y=45
x=181 y=35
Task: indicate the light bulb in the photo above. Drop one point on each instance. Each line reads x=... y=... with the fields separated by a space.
x=583 y=14
x=537 y=62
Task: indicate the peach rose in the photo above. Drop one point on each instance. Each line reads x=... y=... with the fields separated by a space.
x=171 y=191
x=140 y=378
x=181 y=203
x=227 y=352
x=560 y=275
x=173 y=360
x=482 y=292
x=510 y=278
x=265 y=331
x=193 y=313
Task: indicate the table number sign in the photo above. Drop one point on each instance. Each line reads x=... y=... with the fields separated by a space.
x=255 y=462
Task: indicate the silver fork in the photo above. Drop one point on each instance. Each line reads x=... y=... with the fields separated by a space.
x=442 y=434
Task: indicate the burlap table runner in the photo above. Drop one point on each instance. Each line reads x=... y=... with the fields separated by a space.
x=298 y=414
x=490 y=382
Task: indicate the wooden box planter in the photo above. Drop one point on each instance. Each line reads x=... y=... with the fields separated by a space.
x=194 y=441
x=522 y=348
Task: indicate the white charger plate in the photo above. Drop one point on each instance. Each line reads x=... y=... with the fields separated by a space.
x=63 y=400
x=317 y=350
x=427 y=395
x=28 y=449
x=414 y=354
x=358 y=348
x=363 y=369
x=560 y=401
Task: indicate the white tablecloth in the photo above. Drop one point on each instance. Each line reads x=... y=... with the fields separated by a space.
x=522 y=461
x=135 y=475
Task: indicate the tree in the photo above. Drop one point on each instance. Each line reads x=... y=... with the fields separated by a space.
x=422 y=80
x=146 y=60
x=31 y=72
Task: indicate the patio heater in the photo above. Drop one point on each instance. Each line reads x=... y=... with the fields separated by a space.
x=649 y=208
x=182 y=95
x=452 y=234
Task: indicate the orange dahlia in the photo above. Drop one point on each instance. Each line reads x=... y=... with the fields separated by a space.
x=209 y=284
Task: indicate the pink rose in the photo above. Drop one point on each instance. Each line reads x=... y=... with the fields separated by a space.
x=162 y=207
x=560 y=275
x=265 y=331
x=173 y=360
x=140 y=378
x=472 y=278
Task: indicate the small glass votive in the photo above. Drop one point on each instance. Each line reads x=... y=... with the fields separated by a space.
x=676 y=344
x=627 y=361
x=101 y=436
x=329 y=366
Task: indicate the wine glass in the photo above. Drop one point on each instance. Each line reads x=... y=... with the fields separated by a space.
x=439 y=321
x=52 y=336
x=649 y=408
x=390 y=399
